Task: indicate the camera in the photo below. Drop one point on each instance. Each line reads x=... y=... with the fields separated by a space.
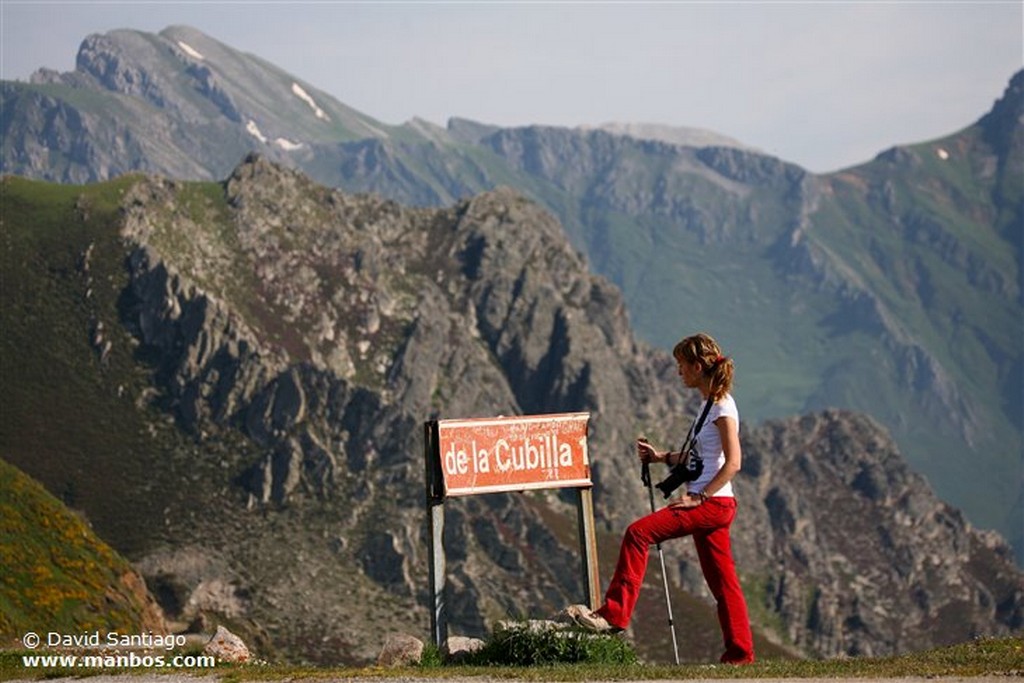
x=688 y=469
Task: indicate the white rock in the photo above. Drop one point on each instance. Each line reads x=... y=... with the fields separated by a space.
x=227 y=647
x=457 y=647
x=400 y=650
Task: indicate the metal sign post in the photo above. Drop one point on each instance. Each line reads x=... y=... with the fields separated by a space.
x=486 y=455
x=435 y=529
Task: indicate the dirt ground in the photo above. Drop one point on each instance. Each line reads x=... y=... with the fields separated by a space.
x=185 y=678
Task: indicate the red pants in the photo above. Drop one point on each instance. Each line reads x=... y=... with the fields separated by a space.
x=708 y=523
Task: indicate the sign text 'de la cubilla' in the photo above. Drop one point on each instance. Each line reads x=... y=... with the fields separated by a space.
x=514 y=453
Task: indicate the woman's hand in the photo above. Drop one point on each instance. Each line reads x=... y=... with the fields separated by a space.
x=647 y=453
x=687 y=501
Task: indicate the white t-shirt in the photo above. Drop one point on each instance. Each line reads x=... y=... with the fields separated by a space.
x=709 y=445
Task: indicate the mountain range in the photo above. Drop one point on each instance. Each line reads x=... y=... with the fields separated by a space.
x=247 y=354
x=891 y=288
x=248 y=365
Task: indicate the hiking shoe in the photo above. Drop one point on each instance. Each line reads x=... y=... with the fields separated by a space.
x=583 y=616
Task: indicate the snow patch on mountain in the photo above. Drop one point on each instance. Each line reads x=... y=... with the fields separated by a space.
x=288 y=145
x=284 y=143
x=305 y=97
x=252 y=129
x=190 y=51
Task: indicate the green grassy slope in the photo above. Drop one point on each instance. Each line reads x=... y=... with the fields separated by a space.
x=69 y=406
x=926 y=236
x=58 y=575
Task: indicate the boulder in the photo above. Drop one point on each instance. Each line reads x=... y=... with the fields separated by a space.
x=457 y=648
x=401 y=650
x=227 y=647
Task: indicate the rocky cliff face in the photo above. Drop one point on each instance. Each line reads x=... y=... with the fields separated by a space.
x=311 y=292
x=893 y=567
x=298 y=337
x=327 y=328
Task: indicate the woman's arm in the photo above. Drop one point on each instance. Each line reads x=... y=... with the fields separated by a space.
x=728 y=430
x=648 y=453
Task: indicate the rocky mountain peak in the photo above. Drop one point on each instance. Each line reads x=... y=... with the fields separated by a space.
x=1004 y=124
x=673 y=135
x=125 y=62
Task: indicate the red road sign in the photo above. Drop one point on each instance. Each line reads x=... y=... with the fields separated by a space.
x=483 y=455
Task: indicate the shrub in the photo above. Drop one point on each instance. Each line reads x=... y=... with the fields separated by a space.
x=520 y=645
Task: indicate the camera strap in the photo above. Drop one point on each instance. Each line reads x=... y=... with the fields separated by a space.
x=695 y=427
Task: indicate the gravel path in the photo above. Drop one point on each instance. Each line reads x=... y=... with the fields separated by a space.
x=208 y=678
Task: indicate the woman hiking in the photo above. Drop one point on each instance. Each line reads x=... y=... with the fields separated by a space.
x=704 y=511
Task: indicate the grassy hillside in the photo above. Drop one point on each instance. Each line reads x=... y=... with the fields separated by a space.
x=920 y=231
x=74 y=404
x=58 y=576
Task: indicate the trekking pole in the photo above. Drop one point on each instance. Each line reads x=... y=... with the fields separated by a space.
x=645 y=477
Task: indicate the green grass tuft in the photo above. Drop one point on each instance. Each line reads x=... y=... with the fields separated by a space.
x=523 y=646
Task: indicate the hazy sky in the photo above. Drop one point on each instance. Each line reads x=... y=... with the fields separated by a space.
x=822 y=84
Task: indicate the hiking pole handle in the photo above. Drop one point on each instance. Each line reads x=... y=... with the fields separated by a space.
x=645 y=477
x=645 y=463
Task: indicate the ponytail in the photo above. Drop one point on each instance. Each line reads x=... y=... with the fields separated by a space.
x=701 y=348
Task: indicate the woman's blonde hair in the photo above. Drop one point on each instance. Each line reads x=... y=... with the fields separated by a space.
x=701 y=348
